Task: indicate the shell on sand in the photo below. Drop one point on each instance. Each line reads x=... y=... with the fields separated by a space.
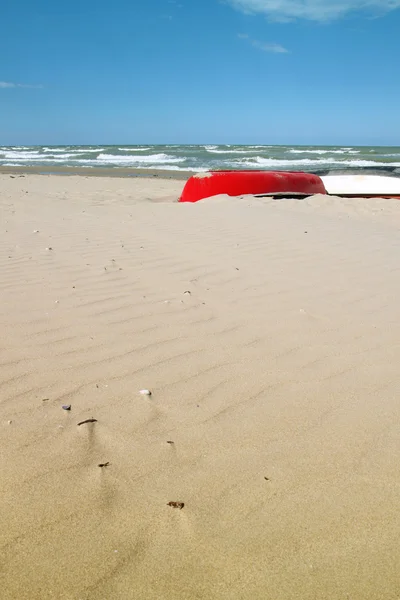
x=145 y=392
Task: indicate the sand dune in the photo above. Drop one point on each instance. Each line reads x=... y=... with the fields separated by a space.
x=267 y=332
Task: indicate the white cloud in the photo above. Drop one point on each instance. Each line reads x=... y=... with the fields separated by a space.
x=264 y=46
x=271 y=47
x=315 y=10
x=8 y=84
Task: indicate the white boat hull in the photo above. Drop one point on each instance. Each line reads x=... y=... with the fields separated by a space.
x=361 y=185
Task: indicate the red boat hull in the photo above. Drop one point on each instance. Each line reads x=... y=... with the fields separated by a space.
x=238 y=183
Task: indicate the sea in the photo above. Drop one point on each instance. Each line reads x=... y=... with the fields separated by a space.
x=198 y=158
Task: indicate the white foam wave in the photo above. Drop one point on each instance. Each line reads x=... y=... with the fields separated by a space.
x=94 y=163
x=133 y=149
x=32 y=157
x=175 y=168
x=230 y=151
x=367 y=163
x=149 y=159
x=272 y=162
x=48 y=149
x=66 y=155
x=38 y=161
x=275 y=162
x=14 y=155
x=343 y=151
x=84 y=150
x=78 y=150
x=36 y=155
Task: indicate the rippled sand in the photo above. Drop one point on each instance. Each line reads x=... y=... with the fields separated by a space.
x=268 y=333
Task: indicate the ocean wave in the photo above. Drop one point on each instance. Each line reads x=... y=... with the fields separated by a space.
x=66 y=155
x=36 y=155
x=175 y=168
x=78 y=150
x=93 y=164
x=153 y=167
x=148 y=159
x=397 y=155
x=133 y=149
x=276 y=162
x=84 y=150
x=48 y=149
x=216 y=151
x=342 y=151
x=12 y=155
x=20 y=157
x=37 y=161
x=272 y=162
x=367 y=163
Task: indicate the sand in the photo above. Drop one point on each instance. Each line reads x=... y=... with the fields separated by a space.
x=268 y=333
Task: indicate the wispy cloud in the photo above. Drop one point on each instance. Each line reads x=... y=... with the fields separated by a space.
x=271 y=47
x=264 y=46
x=9 y=84
x=314 y=10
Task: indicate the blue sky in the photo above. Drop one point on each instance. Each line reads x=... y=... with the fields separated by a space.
x=200 y=71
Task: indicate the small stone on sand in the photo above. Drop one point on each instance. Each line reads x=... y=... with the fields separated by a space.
x=179 y=505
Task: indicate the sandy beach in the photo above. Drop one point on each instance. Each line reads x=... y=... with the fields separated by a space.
x=268 y=334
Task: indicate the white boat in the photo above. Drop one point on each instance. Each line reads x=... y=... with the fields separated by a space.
x=362 y=185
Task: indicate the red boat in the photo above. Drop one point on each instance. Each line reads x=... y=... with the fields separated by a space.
x=238 y=183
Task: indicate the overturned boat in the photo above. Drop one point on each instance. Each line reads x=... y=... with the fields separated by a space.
x=239 y=183
x=368 y=185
